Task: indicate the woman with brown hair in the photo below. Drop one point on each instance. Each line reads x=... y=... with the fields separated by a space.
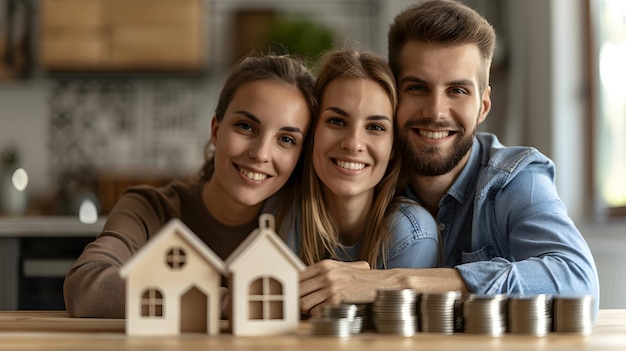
x=260 y=126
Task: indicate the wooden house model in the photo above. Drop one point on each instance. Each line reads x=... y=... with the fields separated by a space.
x=263 y=283
x=173 y=285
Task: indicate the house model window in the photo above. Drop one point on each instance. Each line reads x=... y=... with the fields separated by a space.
x=266 y=299
x=176 y=258
x=152 y=303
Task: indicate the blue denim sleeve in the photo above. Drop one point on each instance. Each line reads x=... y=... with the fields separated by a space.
x=529 y=243
x=414 y=238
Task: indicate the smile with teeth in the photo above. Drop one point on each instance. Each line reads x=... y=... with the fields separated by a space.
x=434 y=135
x=350 y=165
x=251 y=175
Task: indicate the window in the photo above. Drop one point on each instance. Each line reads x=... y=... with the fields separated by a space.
x=176 y=258
x=608 y=57
x=152 y=303
x=265 y=299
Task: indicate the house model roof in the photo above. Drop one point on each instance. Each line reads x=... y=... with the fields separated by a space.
x=264 y=232
x=174 y=227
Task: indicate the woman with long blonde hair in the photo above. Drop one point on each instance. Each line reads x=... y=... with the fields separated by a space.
x=349 y=211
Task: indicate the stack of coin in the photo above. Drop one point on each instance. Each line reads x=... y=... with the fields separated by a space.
x=337 y=320
x=341 y=327
x=394 y=311
x=485 y=314
x=573 y=314
x=344 y=310
x=530 y=314
x=439 y=312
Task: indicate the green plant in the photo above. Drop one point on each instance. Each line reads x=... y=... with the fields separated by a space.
x=299 y=36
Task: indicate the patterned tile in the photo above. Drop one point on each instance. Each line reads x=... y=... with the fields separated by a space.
x=126 y=126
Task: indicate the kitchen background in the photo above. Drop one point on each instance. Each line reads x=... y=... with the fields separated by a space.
x=96 y=95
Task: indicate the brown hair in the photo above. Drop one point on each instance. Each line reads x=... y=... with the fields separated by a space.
x=320 y=238
x=443 y=22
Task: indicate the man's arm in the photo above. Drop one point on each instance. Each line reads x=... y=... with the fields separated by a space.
x=332 y=282
x=431 y=279
x=529 y=245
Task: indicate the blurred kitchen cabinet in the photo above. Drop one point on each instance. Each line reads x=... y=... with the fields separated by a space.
x=74 y=34
x=122 y=35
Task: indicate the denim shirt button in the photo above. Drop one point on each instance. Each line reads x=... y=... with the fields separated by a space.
x=441 y=226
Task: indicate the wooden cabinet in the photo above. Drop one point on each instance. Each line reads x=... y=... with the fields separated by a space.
x=74 y=34
x=122 y=35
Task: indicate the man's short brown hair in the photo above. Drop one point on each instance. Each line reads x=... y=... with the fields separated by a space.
x=442 y=22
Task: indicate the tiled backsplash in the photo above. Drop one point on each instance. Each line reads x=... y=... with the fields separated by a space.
x=108 y=133
x=127 y=126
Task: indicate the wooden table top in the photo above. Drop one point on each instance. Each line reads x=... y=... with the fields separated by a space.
x=54 y=330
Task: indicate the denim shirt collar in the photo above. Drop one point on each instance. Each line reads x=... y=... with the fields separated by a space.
x=463 y=186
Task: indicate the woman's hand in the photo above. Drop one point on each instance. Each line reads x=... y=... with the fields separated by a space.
x=333 y=282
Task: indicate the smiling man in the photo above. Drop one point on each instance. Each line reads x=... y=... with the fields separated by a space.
x=503 y=226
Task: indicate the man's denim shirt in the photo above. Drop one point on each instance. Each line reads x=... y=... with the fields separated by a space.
x=505 y=229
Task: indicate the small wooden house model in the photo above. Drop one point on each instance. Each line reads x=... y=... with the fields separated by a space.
x=263 y=283
x=173 y=285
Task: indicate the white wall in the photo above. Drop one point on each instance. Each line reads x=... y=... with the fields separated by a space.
x=24 y=123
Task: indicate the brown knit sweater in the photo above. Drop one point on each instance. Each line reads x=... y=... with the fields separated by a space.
x=93 y=287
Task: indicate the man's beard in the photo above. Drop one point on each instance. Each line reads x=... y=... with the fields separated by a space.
x=429 y=161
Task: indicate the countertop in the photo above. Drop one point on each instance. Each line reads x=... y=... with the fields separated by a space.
x=20 y=226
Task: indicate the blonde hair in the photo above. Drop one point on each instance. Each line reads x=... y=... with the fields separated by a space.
x=320 y=237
